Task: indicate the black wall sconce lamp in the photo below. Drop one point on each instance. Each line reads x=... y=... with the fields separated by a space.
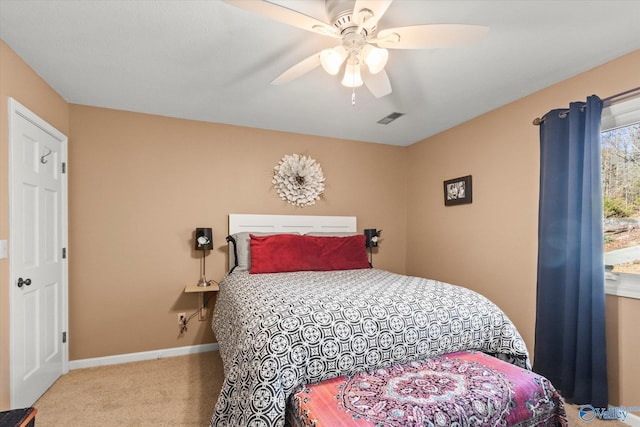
x=371 y=235
x=204 y=243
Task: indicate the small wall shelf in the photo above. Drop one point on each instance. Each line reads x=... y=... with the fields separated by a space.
x=202 y=290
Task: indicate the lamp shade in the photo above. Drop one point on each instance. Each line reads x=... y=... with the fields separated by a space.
x=371 y=235
x=204 y=239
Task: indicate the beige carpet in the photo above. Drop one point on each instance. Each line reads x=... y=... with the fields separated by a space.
x=176 y=391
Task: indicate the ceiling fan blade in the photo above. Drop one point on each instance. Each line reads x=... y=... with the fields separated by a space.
x=298 y=70
x=378 y=84
x=285 y=15
x=377 y=8
x=430 y=36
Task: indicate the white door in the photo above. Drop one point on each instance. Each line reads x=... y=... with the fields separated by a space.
x=38 y=265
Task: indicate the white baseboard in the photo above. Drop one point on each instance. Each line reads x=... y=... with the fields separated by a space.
x=632 y=420
x=144 y=355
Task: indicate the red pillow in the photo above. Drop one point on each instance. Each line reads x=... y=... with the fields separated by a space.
x=291 y=252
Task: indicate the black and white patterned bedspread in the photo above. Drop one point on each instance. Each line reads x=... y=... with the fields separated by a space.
x=277 y=331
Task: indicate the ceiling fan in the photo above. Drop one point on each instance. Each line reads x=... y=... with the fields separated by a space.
x=355 y=24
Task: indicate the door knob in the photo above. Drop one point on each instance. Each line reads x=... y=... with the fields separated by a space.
x=25 y=282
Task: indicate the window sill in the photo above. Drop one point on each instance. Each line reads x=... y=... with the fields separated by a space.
x=622 y=285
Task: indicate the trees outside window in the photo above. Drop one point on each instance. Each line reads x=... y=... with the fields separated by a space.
x=621 y=197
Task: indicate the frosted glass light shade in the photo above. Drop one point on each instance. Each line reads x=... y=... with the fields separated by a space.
x=375 y=58
x=352 y=77
x=332 y=59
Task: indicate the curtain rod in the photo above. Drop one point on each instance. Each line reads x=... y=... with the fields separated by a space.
x=611 y=100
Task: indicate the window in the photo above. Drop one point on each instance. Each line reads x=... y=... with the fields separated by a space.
x=621 y=197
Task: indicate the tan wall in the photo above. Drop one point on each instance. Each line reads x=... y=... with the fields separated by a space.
x=491 y=245
x=140 y=184
x=17 y=80
x=623 y=348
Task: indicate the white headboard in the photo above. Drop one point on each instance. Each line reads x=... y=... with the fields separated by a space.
x=291 y=223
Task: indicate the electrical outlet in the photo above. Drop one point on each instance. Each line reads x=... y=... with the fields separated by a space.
x=182 y=317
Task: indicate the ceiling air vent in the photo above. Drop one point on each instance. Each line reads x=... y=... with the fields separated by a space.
x=388 y=119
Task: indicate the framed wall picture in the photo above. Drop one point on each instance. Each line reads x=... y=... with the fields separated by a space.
x=457 y=191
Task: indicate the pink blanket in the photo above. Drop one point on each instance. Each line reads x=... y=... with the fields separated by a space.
x=466 y=388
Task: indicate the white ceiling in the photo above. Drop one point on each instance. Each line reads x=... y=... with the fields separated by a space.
x=210 y=61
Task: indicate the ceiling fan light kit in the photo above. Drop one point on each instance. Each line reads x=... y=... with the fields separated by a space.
x=355 y=23
x=356 y=48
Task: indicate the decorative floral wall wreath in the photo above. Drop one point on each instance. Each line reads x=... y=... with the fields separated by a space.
x=298 y=180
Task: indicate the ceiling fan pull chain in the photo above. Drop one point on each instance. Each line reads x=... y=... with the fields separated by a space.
x=353 y=97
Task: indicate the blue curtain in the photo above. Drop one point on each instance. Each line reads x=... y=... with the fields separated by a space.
x=570 y=330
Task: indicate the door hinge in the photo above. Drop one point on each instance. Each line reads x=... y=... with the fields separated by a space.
x=64 y=337
x=64 y=253
x=64 y=167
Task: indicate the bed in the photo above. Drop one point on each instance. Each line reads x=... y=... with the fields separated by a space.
x=283 y=331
